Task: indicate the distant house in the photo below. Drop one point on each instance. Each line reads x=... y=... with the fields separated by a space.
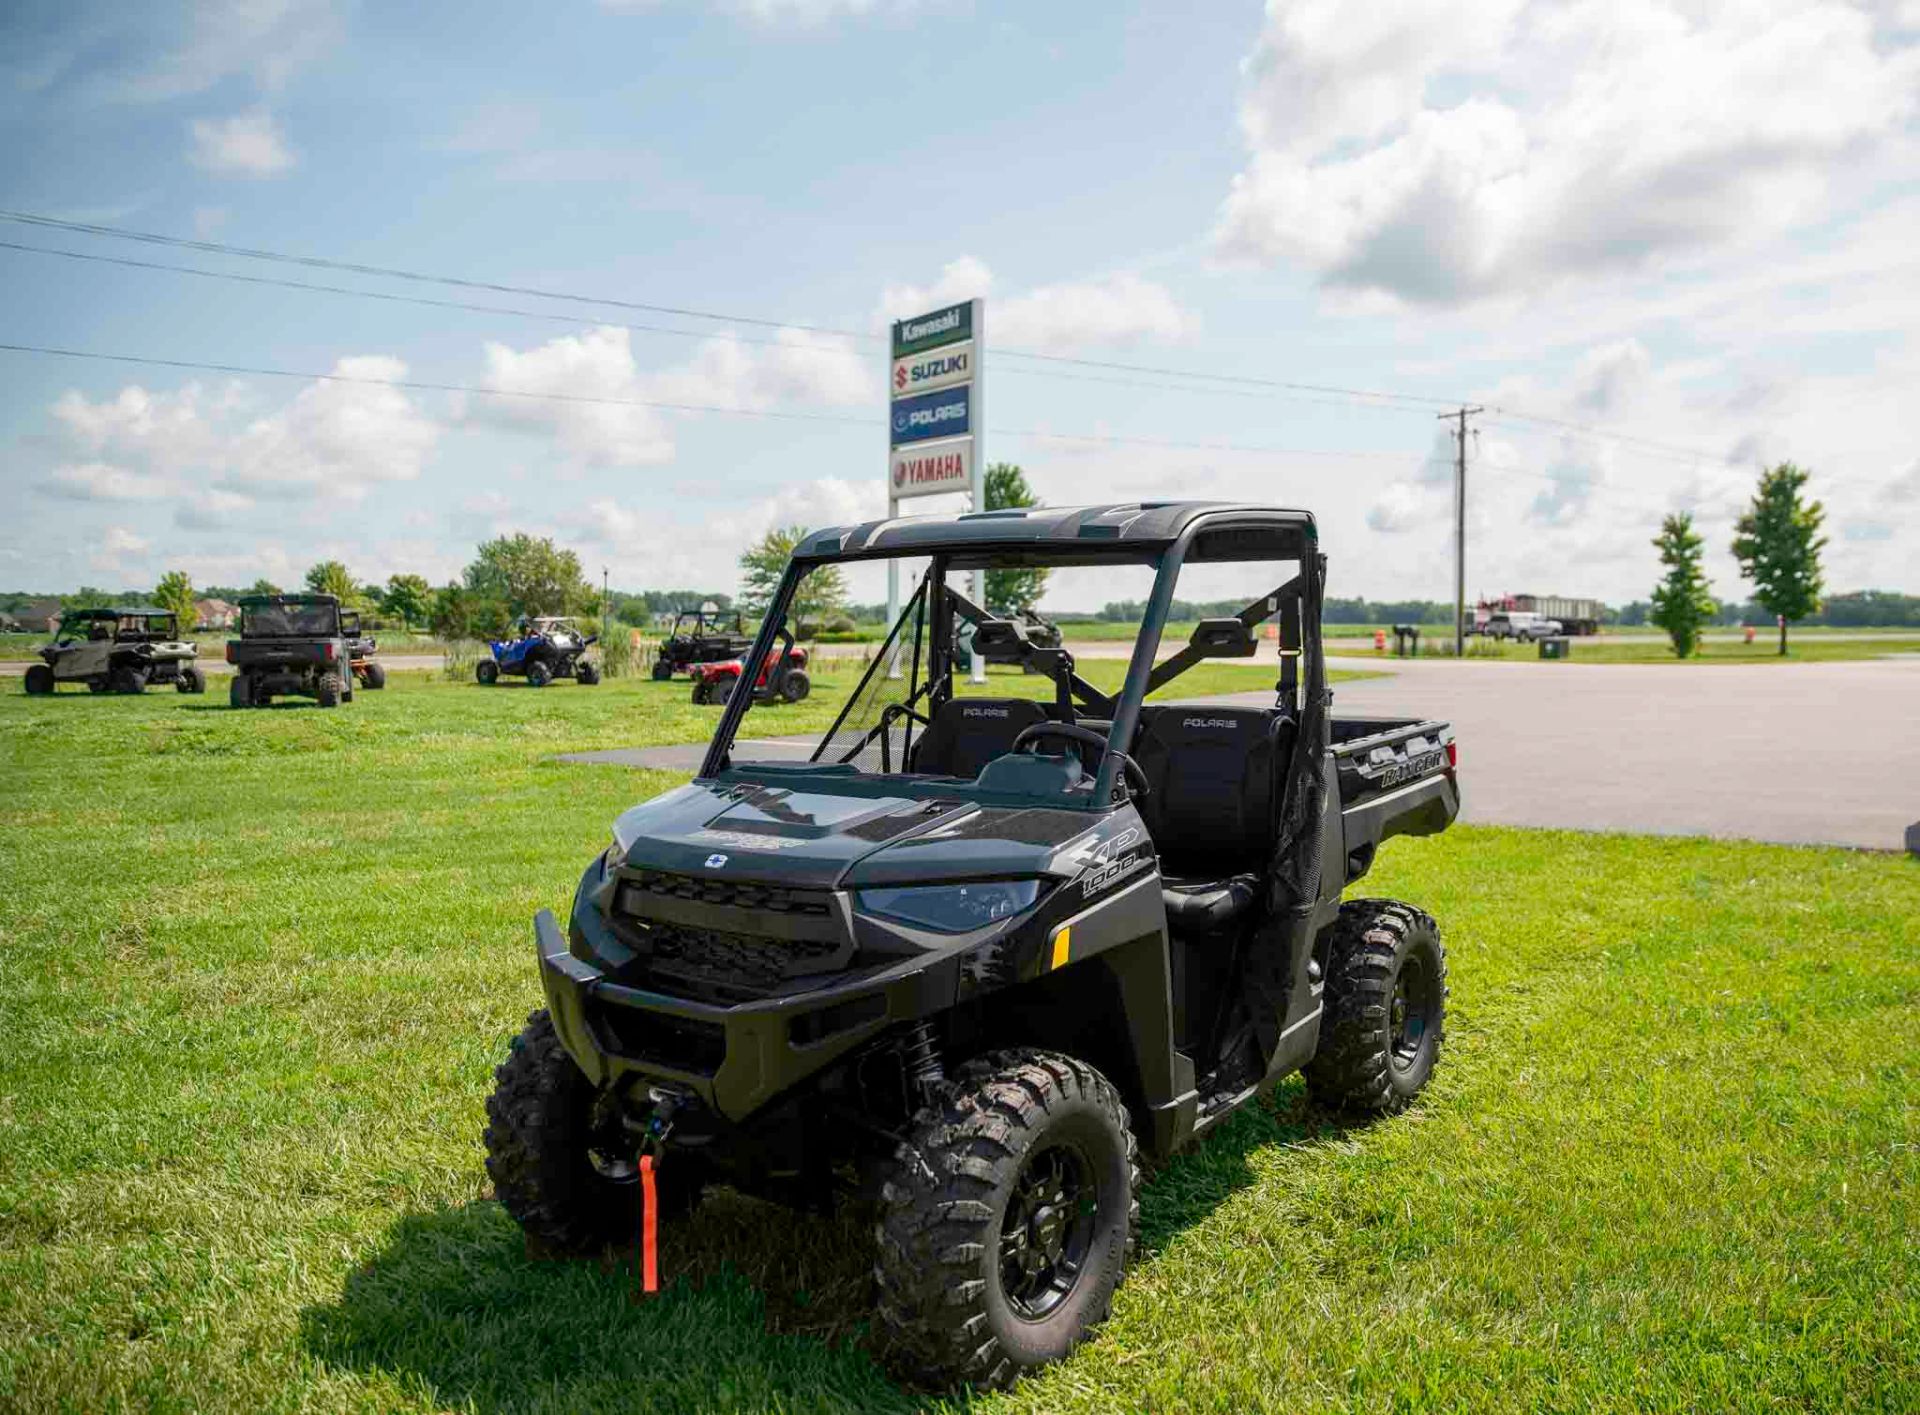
x=215 y=613
x=39 y=616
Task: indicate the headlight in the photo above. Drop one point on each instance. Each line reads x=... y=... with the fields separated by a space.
x=952 y=908
x=614 y=857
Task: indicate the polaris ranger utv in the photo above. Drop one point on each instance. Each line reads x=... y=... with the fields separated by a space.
x=978 y=952
x=119 y=651
x=291 y=645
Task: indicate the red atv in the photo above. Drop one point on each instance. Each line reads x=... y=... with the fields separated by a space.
x=783 y=680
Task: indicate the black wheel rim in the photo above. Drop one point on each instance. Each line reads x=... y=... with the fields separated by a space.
x=1411 y=1015
x=1048 y=1230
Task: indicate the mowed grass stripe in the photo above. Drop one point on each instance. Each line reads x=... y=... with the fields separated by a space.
x=258 y=968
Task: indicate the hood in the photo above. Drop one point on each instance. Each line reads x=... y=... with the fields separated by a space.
x=825 y=840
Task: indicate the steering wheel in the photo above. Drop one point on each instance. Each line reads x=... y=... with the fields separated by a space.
x=1136 y=778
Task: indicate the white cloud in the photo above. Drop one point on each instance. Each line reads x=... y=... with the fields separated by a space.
x=1904 y=488
x=102 y=481
x=613 y=427
x=245 y=145
x=264 y=40
x=1113 y=309
x=334 y=439
x=1445 y=153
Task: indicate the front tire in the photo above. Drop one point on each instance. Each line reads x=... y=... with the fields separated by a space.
x=39 y=679
x=561 y=1162
x=128 y=680
x=662 y=670
x=191 y=680
x=701 y=695
x=795 y=686
x=1386 y=1008
x=538 y=675
x=586 y=675
x=1007 y=1219
x=376 y=677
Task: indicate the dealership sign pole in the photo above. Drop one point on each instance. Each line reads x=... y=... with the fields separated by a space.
x=936 y=423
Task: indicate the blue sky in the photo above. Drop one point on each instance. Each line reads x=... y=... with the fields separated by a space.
x=1684 y=227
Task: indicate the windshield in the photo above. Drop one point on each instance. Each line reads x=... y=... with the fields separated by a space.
x=1061 y=647
x=289 y=621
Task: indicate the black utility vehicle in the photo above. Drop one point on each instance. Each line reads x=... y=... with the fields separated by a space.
x=118 y=651
x=291 y=645
x=700 y=636
x=367 y=670
x=978 y=952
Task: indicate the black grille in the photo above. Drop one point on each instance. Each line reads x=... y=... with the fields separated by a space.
x=773 y=898
x=730 y=964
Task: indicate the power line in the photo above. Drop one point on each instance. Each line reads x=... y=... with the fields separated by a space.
x=430 y=386
x=1366 y=396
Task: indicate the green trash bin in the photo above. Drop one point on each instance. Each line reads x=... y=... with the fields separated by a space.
x=1556 y=648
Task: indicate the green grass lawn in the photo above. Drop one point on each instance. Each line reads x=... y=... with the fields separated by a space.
x=258 y=967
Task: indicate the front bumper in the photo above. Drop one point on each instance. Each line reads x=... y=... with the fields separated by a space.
x=735 y=1057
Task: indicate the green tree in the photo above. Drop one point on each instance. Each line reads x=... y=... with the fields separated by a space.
x=1778 y=544
x=331 y=577
x=264 y=586
x=86 y=597
x=528 y=575
x=1681 y=601
x=406 y=598
x=175 y=592
x=1008 y=590
x=765 y=561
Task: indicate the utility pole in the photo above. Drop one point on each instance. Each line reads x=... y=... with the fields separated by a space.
x=1460 y=415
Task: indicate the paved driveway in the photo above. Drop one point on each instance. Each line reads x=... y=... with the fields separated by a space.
x=1801 y=753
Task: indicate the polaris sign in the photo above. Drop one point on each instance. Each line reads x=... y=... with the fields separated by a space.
x=931 y=415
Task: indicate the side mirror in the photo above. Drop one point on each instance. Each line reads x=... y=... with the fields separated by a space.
x=1223 y=638
x=1001 y=641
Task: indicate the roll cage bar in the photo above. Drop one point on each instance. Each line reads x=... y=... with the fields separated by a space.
x=1295 y=602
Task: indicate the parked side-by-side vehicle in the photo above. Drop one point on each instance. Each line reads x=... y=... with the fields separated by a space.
x=987 y=946
x=125 y=650
x=291 y=645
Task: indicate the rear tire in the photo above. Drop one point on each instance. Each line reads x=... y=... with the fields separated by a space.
x=700 y=693
x=128 y=680
x=795 y=686
x=560 y=1161
x=191 y=680
x=487 y=672
x=586 y=675
x=662 y=670
x=39 y=679
x=328 y=691
x=1386 y=1008
x=240 y=691
x=538 y=675
x=1007 y=1219
x=376 y=677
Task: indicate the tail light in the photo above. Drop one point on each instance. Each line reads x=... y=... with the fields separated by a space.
x=329 y=651
x=229 y=653
x=1453 y=756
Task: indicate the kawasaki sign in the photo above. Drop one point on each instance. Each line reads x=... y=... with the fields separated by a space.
x=952 y=325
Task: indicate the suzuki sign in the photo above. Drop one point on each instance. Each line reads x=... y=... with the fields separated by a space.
x=935 y=369
x=929 y=467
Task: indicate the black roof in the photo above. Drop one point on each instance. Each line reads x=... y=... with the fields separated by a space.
x=1124 y=530
x=125 y=611
x=247 y=600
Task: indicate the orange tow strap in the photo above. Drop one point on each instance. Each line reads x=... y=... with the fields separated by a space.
x=649 y=1221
